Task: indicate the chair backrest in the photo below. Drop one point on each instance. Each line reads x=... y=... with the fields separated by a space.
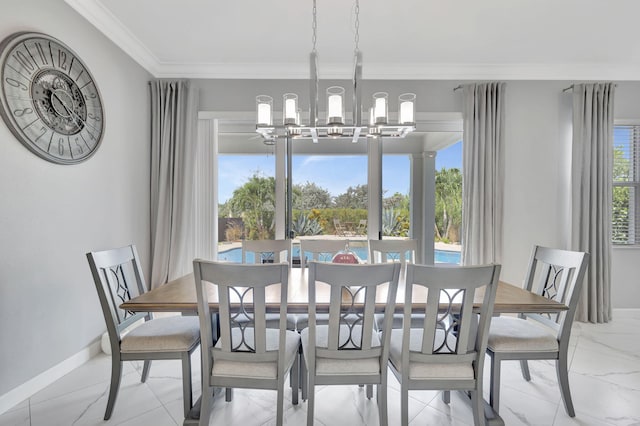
x=267 y=251
x=449 y=329
x=320 y=250
x=118 y=277
x=558 y=275
x=353 y=295
x=403 y=251
x=241 y=290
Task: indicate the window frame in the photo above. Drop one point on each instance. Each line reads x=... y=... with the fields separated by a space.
x=633 y=223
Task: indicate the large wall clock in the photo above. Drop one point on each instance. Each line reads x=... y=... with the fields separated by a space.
x=50 y=100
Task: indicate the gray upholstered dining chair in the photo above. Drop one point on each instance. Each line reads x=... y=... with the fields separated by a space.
x=403 y=251
x=555 y=274
x=247 y=353
x=267 y=251
x=447 y=352
x=320 y=250
x=348 y=350
x=118 y=277
x=270 y=251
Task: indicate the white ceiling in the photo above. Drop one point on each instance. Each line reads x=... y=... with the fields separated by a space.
x=400 y=39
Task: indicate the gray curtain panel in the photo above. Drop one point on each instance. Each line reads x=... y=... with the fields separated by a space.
x=483 y=172
x=591 y=192
x=173 y=141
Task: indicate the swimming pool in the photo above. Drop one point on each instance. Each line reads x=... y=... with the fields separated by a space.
x=235 y=255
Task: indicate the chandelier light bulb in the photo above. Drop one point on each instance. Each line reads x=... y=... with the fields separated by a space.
x=264 y=106
x=290 y=102
x=335 y=105
x=380 y=106
x=407 y=108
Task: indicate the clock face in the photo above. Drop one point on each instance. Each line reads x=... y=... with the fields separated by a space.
x=50 y=100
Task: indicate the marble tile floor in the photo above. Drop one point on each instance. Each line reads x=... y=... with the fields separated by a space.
x=604 y=377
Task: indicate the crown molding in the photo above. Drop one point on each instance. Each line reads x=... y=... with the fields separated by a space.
x=413 y=71
x=100 y=17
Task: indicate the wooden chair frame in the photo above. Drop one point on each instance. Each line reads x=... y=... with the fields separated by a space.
x=470 y=335
x=558 y=275
x=237 y=279
x=107 y=268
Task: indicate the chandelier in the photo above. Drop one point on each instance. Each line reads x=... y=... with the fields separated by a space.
x=335 y=125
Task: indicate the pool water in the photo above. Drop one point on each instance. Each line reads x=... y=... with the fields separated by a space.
x=235 y=255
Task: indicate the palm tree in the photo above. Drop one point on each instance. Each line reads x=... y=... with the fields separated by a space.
x=255 y=203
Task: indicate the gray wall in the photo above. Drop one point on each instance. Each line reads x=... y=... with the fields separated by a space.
x=51 y=215
x=538 y=156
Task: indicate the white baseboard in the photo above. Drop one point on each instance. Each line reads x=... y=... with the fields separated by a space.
x=44 y=379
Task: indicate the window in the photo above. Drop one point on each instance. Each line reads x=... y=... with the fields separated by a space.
x=625 y=226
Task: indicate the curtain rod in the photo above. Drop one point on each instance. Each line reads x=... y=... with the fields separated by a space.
x=571 y=87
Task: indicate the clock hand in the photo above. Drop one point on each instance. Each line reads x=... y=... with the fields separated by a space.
x=73 y=114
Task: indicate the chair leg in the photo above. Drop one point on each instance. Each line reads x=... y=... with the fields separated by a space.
x=404 y=405
x=563 y=381
x=524 y=366
x=304 y=378
x=280 y=402
x=295 y=379
x=311 y=396
x=145 y=370
x=446 y=397
x=494 y=383
x=116 y=375
x=205 y=405
x=477 y=406
x=381 y=396
x=187 y=396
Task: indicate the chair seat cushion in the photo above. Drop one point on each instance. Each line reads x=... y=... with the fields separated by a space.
x=171 y=334
x=510 y=334
x=261 y=370
x=347 y=367
x=427 y=370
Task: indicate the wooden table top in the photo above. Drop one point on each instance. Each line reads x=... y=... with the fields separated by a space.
x=180 y=296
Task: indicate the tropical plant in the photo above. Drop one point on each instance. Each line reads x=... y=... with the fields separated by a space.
x=234 y=231
x=394 y=224
x=254 y=202
x=448 y=204
x=304 y=225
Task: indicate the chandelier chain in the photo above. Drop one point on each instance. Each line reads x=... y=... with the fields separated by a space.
x=314 y=26
x=357 y=25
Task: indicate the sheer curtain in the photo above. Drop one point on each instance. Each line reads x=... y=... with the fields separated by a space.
x=591 y=182
x=174 y=121
x=483 y=172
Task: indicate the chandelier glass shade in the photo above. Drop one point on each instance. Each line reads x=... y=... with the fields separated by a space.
x=335 y=123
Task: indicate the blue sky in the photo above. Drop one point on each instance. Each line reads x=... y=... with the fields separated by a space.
x=334 y=173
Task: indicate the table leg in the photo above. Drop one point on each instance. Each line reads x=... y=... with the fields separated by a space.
x=491 y=418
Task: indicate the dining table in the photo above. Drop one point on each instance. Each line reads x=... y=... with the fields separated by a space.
x=179 y=295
